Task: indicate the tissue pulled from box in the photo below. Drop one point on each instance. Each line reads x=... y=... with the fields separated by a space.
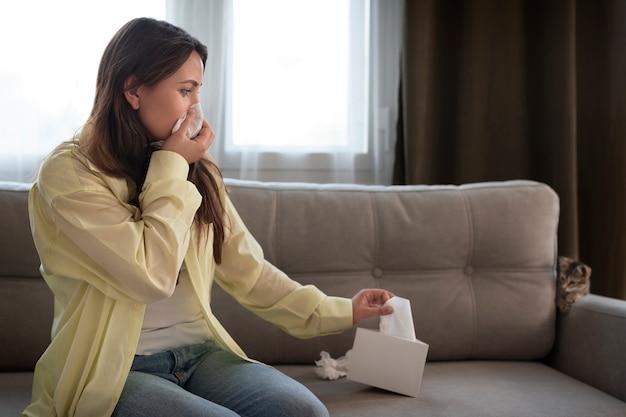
x=400 y=322
x=329 y=368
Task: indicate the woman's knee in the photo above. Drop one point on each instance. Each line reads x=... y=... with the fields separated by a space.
x=309 y=407
x=294 y=399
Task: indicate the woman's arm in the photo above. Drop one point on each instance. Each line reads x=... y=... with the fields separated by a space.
x=302 y=311
x=99 y=237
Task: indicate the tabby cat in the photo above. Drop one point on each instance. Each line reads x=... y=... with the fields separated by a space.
x=573 y=282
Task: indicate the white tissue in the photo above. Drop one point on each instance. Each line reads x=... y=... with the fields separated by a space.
x=196 y=124
x=329 y=368
x=400 y=322
x=194 y=128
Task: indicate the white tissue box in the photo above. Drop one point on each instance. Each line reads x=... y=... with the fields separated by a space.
x=388 y=362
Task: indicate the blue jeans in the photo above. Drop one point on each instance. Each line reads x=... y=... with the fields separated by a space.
x=204 y=380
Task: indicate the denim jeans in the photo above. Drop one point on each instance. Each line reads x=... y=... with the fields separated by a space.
x=204 y=380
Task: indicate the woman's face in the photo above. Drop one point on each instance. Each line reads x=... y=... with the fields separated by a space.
x=161 y=105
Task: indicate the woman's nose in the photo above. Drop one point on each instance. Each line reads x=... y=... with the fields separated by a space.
x=196 y=97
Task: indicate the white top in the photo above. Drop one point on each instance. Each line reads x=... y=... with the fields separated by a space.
x=173 y=322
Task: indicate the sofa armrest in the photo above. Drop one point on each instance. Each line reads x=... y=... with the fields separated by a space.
x=591 y=341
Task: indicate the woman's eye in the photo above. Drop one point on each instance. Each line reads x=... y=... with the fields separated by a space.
x=185 y=92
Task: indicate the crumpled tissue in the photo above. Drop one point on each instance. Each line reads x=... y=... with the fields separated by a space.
x=400 y=322
x=329 y=368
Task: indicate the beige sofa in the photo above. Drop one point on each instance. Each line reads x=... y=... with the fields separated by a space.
x=477 y=262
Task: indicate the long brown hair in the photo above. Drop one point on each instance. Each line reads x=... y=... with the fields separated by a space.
x=114 y=138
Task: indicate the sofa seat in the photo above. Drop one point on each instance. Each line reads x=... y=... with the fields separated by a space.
x=450 y=388
x=468 y=389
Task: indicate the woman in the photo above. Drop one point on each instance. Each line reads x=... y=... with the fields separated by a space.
x=131 y=237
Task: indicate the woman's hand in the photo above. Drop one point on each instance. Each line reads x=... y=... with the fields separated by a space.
x=191 y=149
x=369 y=303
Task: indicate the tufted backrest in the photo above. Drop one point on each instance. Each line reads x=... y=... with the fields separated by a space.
x=477 y=262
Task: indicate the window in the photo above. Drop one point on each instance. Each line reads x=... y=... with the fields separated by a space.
x=327 y=116
x=299 y=76
x=287 y=128
x=50 y=56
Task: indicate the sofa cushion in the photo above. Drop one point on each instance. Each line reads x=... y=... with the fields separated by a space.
x=477 y=261
x=19 y=257
x=24 y=293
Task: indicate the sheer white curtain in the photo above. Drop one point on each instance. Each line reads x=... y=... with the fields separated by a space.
x=48 y=72
x=210 y=21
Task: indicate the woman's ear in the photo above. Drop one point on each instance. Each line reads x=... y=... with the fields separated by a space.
x=130 y=92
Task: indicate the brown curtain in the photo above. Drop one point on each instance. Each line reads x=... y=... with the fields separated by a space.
x=510 y=89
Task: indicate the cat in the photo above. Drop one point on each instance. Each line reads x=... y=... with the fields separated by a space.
x=573 y=282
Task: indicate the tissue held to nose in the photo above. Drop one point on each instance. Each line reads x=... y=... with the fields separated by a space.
x=196 y=124
x=194 y=128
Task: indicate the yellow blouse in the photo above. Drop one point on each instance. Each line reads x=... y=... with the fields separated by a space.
x=105 y=259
